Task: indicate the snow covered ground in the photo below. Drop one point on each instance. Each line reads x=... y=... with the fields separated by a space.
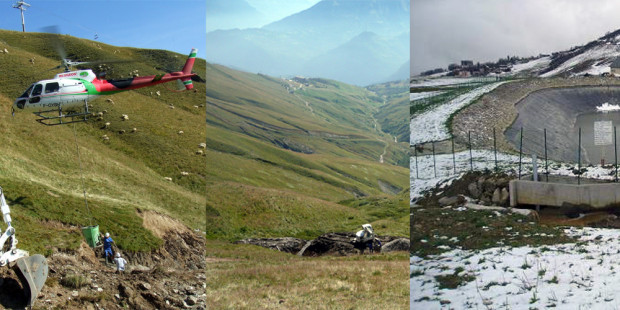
x=430 y=125
x=426 y=173
x=445 y=81
x=581 y=275
x=532 y=65
x=428 y=94
x=604 y=53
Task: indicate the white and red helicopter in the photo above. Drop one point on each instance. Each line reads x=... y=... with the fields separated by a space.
x=64 y=99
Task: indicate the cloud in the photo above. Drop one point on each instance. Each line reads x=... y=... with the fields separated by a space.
x=446 y=31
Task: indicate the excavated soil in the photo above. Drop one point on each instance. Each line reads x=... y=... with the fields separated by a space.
x=170 y=277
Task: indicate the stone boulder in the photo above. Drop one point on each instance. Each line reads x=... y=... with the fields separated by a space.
x=286 y=244
x=330 y=244
x=400 y=244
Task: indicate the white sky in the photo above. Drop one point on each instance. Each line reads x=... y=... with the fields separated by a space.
x=447 y=31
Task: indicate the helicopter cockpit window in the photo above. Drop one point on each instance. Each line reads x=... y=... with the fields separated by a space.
x=51 y=87
x=27 y=92
x=37 y=90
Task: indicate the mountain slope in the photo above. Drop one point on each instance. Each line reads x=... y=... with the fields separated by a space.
x=303 y=43
x=304 y=143
x=125 y=175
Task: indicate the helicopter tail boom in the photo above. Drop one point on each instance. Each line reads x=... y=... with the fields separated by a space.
x=187 y=69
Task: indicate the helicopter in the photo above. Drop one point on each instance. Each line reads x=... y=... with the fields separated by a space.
x=64 y=99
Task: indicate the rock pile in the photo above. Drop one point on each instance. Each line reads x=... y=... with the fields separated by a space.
x=326 y=244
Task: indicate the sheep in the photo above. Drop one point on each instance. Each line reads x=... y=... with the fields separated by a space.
x=184 y=173
x=122 y=131
x=158 y=93
x=199 y=152
x=105 y=138
x=202 y=145
x=6 y=51
x=196 y=106
x=124 y=117
x=32 y=60
x=168 y=178
x=180 y=132
x=106 y=125
x=134 y=129
x=171 y=106
x=110 y=100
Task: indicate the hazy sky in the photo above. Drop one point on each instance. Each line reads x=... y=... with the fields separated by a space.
x=159 y=24
x=275 y=10
x=447 y=31
x=225 y=14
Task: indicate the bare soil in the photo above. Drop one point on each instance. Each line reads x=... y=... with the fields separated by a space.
x=170 y=277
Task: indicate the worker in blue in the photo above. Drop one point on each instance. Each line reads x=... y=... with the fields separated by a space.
x=107 y=248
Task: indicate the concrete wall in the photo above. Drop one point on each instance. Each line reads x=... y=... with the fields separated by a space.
x=555 y=194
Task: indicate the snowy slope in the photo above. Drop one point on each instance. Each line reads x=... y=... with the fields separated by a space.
x=428 y=94
x=430 y=125
x=601 y=55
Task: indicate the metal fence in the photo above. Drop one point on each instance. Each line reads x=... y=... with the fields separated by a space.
x=532 y=151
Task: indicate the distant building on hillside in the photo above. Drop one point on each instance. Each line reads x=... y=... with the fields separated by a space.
x=467 y=63
x=615 y=67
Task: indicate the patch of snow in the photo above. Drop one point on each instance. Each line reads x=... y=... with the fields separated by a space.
x=606 y=107
x=563 y=276
x=426 y=173
x=531 y=65
x=446 y=81
x=597 y=53
x=428 y=94
x=430 y=125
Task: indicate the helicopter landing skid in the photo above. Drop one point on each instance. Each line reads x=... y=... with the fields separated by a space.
x=56 y=117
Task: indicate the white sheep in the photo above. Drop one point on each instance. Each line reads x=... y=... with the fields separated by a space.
x=158 y=93
x=180 y=132
x=124 y=117
x=202 y=145
x=110 y=100
x=105 y=137
x=134 y=129
x=168 y=178
x=199 y=152
x=184 y=173
x=106 y=125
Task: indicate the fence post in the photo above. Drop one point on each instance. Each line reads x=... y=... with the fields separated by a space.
x=495 y=148
x=434 y=161
x=579 y=159
x=520 y=151
x=415 y=155
x=546 y=162
x=616 y=153
x=453 y=156
x=471 y=162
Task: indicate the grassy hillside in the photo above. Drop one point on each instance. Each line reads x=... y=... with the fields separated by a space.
x=393 y=116
x=282 y=154
x=125 y=175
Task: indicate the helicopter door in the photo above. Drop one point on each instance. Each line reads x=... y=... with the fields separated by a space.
x=36 y=93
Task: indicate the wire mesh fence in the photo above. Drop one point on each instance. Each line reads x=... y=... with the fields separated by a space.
x=585 y=152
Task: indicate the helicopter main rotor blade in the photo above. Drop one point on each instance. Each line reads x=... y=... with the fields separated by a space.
x=56 y=42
